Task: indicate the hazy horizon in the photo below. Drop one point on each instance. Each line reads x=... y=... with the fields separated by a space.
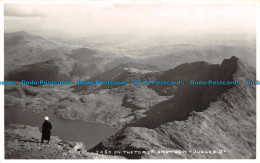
x=75 y=20
x=129 y=28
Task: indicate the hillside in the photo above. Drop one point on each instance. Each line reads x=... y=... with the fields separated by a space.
x=184 y=118
x=227 y=124
x=23 y=142
x=22 y=48
x=26 y=53
x=188 y=98
x=115 y=105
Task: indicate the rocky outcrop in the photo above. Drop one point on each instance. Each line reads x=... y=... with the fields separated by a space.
x=23 y=142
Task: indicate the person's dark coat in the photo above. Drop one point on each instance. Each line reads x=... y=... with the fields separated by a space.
x=46 y=131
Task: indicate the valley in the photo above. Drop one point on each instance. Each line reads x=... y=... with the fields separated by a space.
x=141 y=117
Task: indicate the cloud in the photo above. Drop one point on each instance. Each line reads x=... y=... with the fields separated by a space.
x=15 y=10
x=127 y=18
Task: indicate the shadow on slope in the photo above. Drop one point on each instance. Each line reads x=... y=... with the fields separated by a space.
x=47 y=71
x=227 y=123
x=189 y=98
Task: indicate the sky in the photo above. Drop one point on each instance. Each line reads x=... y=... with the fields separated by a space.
x=121 y=18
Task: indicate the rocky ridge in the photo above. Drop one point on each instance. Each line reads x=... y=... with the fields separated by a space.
x=227 y=125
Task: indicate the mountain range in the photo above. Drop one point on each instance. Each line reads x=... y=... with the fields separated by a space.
x=26 y=52
x=148 y=118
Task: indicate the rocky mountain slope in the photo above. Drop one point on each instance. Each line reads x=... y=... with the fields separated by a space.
x=225 y=128
x=183 y=118
x=188 y=98
x=134 y=105
x=23 y=142
x=115 y=105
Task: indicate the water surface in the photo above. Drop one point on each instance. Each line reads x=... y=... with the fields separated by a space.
x=70 y=130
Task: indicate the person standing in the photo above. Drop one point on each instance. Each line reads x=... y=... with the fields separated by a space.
x=46 y=130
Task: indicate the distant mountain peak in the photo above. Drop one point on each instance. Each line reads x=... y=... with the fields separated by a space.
x=21 y=32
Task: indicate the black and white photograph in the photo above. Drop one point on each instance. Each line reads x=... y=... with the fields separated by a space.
x=130 y=80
